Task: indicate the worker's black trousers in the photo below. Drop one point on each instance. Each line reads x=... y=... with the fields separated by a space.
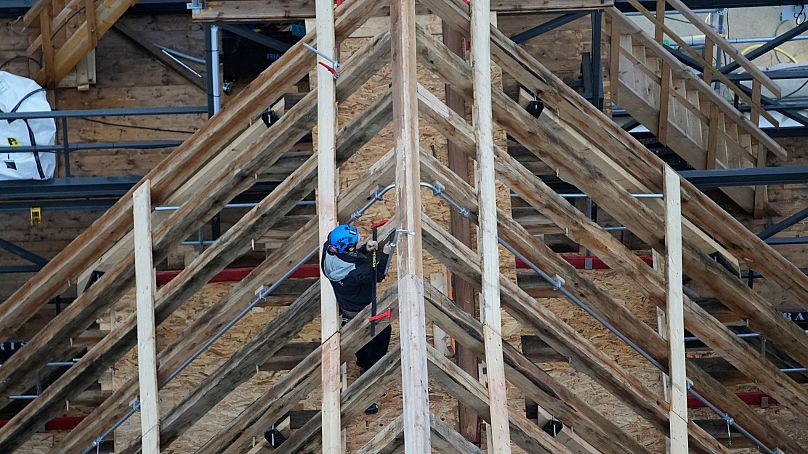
x=374 y=350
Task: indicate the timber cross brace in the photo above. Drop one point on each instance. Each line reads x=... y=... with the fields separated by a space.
x=569 y=135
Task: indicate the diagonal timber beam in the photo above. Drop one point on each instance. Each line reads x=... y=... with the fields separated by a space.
x=549 y=139
x=359 y=395
x=171 y=173
x=389 y=441
x=536 y=384
x=582 y=230
x=561 y=337
x=230 y=246
x=632 y=156
x=377 y=116
x=298 y=383
x=468 y=390
x=446 y=439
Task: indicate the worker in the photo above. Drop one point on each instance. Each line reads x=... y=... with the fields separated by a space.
x=353 y=278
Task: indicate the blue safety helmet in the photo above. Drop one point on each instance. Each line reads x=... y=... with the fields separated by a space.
x=343 y=237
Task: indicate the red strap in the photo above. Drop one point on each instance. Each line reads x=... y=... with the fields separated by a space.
x=379 y=224
x=330 y=69
x=386 y=314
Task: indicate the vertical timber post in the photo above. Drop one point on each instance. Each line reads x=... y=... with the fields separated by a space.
x=327 y=215
x=463 y=292
x=675 y=313
x=414 y=380
x=147 y=351
x=487 y=238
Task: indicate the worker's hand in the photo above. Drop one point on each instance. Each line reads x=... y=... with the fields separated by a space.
x=387 y=248
x=372 y=245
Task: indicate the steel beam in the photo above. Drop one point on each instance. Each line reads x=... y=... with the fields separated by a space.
x=132 y=111
x=761 y=176
x=785 y=37
x=784 y=224
x=550 y=25
x=263 y=40
x=23 y=253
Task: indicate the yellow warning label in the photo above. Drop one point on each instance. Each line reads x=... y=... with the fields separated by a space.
x=13 y=142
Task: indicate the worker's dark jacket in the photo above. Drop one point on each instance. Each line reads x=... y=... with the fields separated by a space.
x=351 y=276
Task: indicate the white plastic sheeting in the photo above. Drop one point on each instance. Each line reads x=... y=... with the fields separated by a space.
x=19 y=94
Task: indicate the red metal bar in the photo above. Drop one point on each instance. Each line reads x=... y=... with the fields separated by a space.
x=62 y=423
x=753 y=398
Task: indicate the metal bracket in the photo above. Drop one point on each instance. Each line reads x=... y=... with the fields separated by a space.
x=195 y=6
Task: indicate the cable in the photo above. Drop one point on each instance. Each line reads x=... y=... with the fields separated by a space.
x=795 y=91
x=19 y=57
x=776 y=49
x=148 y=128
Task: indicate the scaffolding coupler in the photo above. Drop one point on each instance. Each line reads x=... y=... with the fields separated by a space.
x=330 y=64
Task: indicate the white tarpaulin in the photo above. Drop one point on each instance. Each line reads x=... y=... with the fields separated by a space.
x=18 y=94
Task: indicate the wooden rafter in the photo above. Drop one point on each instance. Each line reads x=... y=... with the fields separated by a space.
x=409 y=254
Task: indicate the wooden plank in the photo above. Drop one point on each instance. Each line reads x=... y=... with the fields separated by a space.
x=712 y=137
x=605 y=246
x=147 y=350
x=447 y=440
x=48 y=50
x=664 y=101
x=675 y=313
x=459 y=162
x=490 y=310
x=389 y=440
x=582 y=423
x=286 y=10
x=409 y=252
x=660 y=17
x=269 y=271
x=709 y=48
x=92 y=23
x=327 y=215
x=614 y=59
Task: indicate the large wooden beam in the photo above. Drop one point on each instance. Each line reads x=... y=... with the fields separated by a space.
x=274 y=10
x=447 y=440
x=463 y=387
x=585 y=356
x=584 y=231
x=146 y=353
x=460 y=163
x=389 y=441
x=675 y=313
x=490 y=311
x=586 y=423
x=327 y=214
x=587 y=167
x=409 y=253
x=269 y=271
x=169 y=175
